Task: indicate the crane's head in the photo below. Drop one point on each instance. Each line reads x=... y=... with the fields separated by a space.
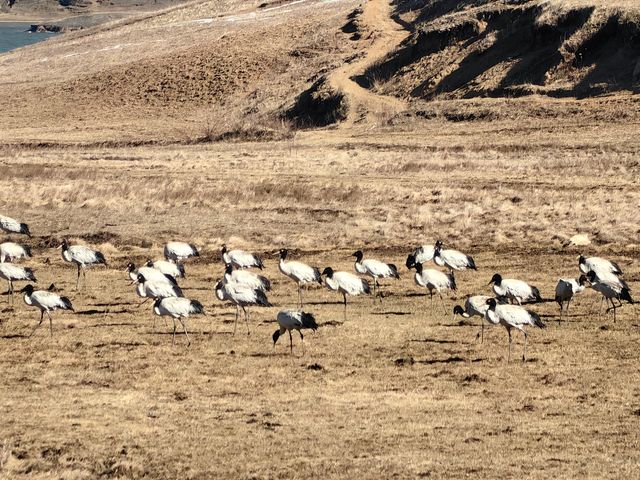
x=418 y=267
x=64 y=245
x=581 y=260
x=496 y=279
x=457 y=310
x=591 y=276
x=411 y=261
x=130 y=267
x=224 y=248
x=583 y=280
x=328 y=272
x=283 y=253
x=228 y=269
x=275 y=337
x=492 y=303
x=219 y=285
x=438 y=244
x=358 y=254
x=141 y=278
x=28 y=289
x=149 y=263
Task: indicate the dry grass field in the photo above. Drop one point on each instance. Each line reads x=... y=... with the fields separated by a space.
x=396 y=390
x=110 y=137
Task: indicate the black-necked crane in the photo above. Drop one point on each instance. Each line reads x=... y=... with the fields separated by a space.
x=510 y=317
x=149 y=289
x=346 y=283
x=242 y=297
x=434 y=280
x=10 y=252
x=598 y=265
x=422 y=254
x=150 y=274
x=452 y=259
x=566 y=288
x=9 y=225
x=240 y=258
x=47 y=301
x=299 y=272
x=179 y=251
x=245 y=277
x=82 y=257
x=474 y=306
x=514 y=290
x=176 y=270
x=375 y=269
x=178 y=308
x=611 y=287
x=15 y=273
x=289 y=320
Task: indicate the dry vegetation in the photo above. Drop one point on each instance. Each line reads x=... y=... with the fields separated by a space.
x=124 y=141
x=398 y=389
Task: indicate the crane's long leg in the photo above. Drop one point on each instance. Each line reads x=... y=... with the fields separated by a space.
x=84 y=277
x=290 y=341
x=39 y=323
x=300 y=294
x=246 y=319
x=509 y=356
x=11 y=292
x=302 y=342
x=235 y=324
x=524 y=351
x=344 y=296
x=481 y=330
x=78 y=278
x=50 y=324
x=184 y=325
x=379 y=292
x=173 y=340
x=443 y=305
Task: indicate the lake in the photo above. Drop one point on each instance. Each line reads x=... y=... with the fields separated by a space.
x=16 y=35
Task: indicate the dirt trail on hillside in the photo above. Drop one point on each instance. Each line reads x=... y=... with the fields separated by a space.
x=385 y=34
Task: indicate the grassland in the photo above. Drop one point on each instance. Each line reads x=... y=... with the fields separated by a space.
x=398 y=390
x=107 y=139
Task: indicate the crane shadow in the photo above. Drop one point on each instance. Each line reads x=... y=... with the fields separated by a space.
x=391 y=313
x=434 y=340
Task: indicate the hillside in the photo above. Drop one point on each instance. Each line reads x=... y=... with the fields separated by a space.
x=219 y=69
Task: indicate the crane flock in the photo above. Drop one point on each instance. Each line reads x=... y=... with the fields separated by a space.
x=157 y=280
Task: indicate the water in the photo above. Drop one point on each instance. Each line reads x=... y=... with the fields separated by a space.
x=16 y=35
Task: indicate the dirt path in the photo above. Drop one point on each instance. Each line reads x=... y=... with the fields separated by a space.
x=386 y=34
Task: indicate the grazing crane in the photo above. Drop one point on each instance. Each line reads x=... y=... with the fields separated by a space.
x=46 y=301
x=244 y=277
x=10 y=251
x=176 y=270
x=240 y=258
x=299 y=272
x=148 y=289
x=241 y=296
x=83 y=257
x=434 y=280
x=180 y=309
x=598 y=265
x=149 y=273
x=375 y=269
x=421 y=254
x=9 y=225
x=15 y=273
x=611 y=287
x=294 y=320
x=474 y=306
x=510 y=317
x=346 y=283
x=566 y=288
x=452 y=259
x=178 y=251
x=514 y=290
